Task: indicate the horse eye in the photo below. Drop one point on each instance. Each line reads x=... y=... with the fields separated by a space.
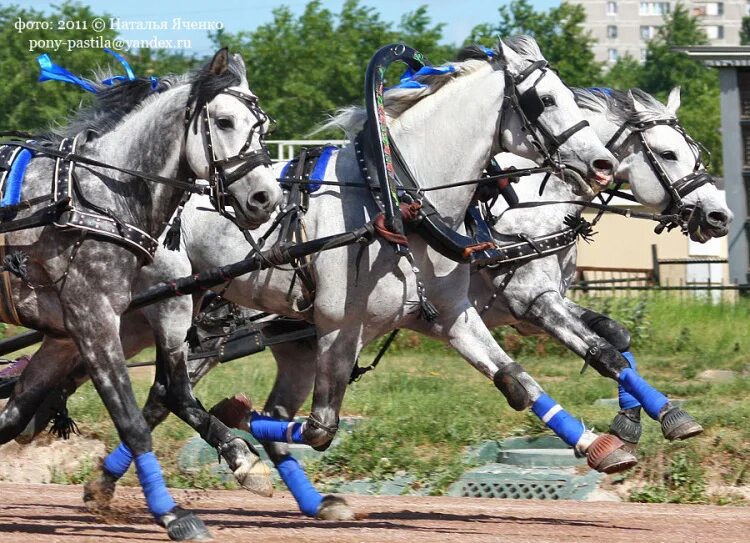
x=668 y=155
x=224 y=123
x=548 y=100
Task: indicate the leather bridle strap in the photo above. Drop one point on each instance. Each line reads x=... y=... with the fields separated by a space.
x=676 y=190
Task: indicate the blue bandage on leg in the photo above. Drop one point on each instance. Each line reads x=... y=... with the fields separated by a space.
x=565 y=426
x=299 y=485
x=651 y=399
x=266 y=428
x=149 y=474
x=118 y=461
x=627 y=401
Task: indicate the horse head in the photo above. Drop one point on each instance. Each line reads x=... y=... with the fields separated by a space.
x=225 y=131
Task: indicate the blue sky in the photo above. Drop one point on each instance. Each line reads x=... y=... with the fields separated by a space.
x=459 y=16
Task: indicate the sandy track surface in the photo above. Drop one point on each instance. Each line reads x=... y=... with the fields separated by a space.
x=52 y=513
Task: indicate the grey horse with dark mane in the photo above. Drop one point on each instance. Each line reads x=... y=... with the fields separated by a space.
x=120 y=170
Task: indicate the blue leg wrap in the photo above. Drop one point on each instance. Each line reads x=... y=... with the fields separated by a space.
x=149 y=474
x=627 y=401
x=651 y=399
x=118 y=461
x=299 y=485
x=558 y=420
x=266 y=428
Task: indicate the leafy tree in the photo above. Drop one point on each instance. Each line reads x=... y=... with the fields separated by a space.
x=559 y=32
x=26 y=104
x=666 y=68
x=307 y=66
x=745 y=31
x=625 y=74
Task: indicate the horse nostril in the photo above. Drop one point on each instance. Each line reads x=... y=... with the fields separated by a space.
x=603 y=165
x=718 y=218
x=261 y=197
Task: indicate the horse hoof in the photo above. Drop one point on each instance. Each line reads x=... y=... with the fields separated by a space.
x=255 y=476
x=334 y=508
x=607 y=454
x=98 y=494
x=678 y=424
x=184 y=525
x=626 y=428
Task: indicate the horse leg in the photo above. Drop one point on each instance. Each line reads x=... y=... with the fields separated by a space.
x=549 y=313
x=172 y=391
x=295 y=376
x=634 y=391
x=94 y=326
x=464 y=330
x=48 y=366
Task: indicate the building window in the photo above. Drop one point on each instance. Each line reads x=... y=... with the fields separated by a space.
x=714 y=32
x=648 y=32
x=747 y=8
x=654 y=8
x=611 y=8
x=613 y=55
x=644 y=55
x=710 y=8
x=612 y=31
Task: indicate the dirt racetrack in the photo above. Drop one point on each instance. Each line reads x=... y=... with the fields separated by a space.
x=52 y=513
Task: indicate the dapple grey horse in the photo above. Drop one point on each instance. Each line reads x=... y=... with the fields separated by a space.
x=75 y=286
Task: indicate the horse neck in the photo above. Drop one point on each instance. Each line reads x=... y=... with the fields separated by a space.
x=149 y=140
x=449 y=136
x=541 y=220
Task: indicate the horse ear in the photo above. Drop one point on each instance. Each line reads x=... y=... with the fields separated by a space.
x=220 y=62
x=512 y=59
x=673 y=102
x=243 y=70
x=637 y=106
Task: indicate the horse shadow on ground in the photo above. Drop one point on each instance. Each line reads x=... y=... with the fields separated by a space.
x=394 y=520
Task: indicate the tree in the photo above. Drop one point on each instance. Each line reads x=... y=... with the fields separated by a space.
x=26 y=104
x=307 y=66
x=625 y=74
x=666 y=68
x=559 y=32
x=745 y=31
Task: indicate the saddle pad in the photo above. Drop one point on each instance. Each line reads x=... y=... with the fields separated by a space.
x=315 y=167
x=14 y=178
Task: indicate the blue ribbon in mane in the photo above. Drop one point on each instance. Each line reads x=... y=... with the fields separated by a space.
x=408 y=79
x=603 y=90
x=49 y=71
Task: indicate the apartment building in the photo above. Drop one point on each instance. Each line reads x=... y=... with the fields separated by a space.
x=623 y=27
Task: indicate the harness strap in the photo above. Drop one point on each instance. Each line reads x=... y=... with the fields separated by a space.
x=80 y=159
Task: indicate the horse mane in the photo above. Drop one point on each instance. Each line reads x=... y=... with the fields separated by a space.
x=112 y=104
x=396 y=100
x=618 y=106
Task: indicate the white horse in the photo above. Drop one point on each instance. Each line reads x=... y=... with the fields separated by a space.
x=531 y=297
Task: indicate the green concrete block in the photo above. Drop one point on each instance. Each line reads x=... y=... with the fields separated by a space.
x=512 y=482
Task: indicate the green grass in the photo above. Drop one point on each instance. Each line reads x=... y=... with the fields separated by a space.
x=424 y=405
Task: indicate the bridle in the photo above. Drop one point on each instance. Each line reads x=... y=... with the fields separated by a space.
x=245 y=161
x=530 y=106
x=676 y=190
